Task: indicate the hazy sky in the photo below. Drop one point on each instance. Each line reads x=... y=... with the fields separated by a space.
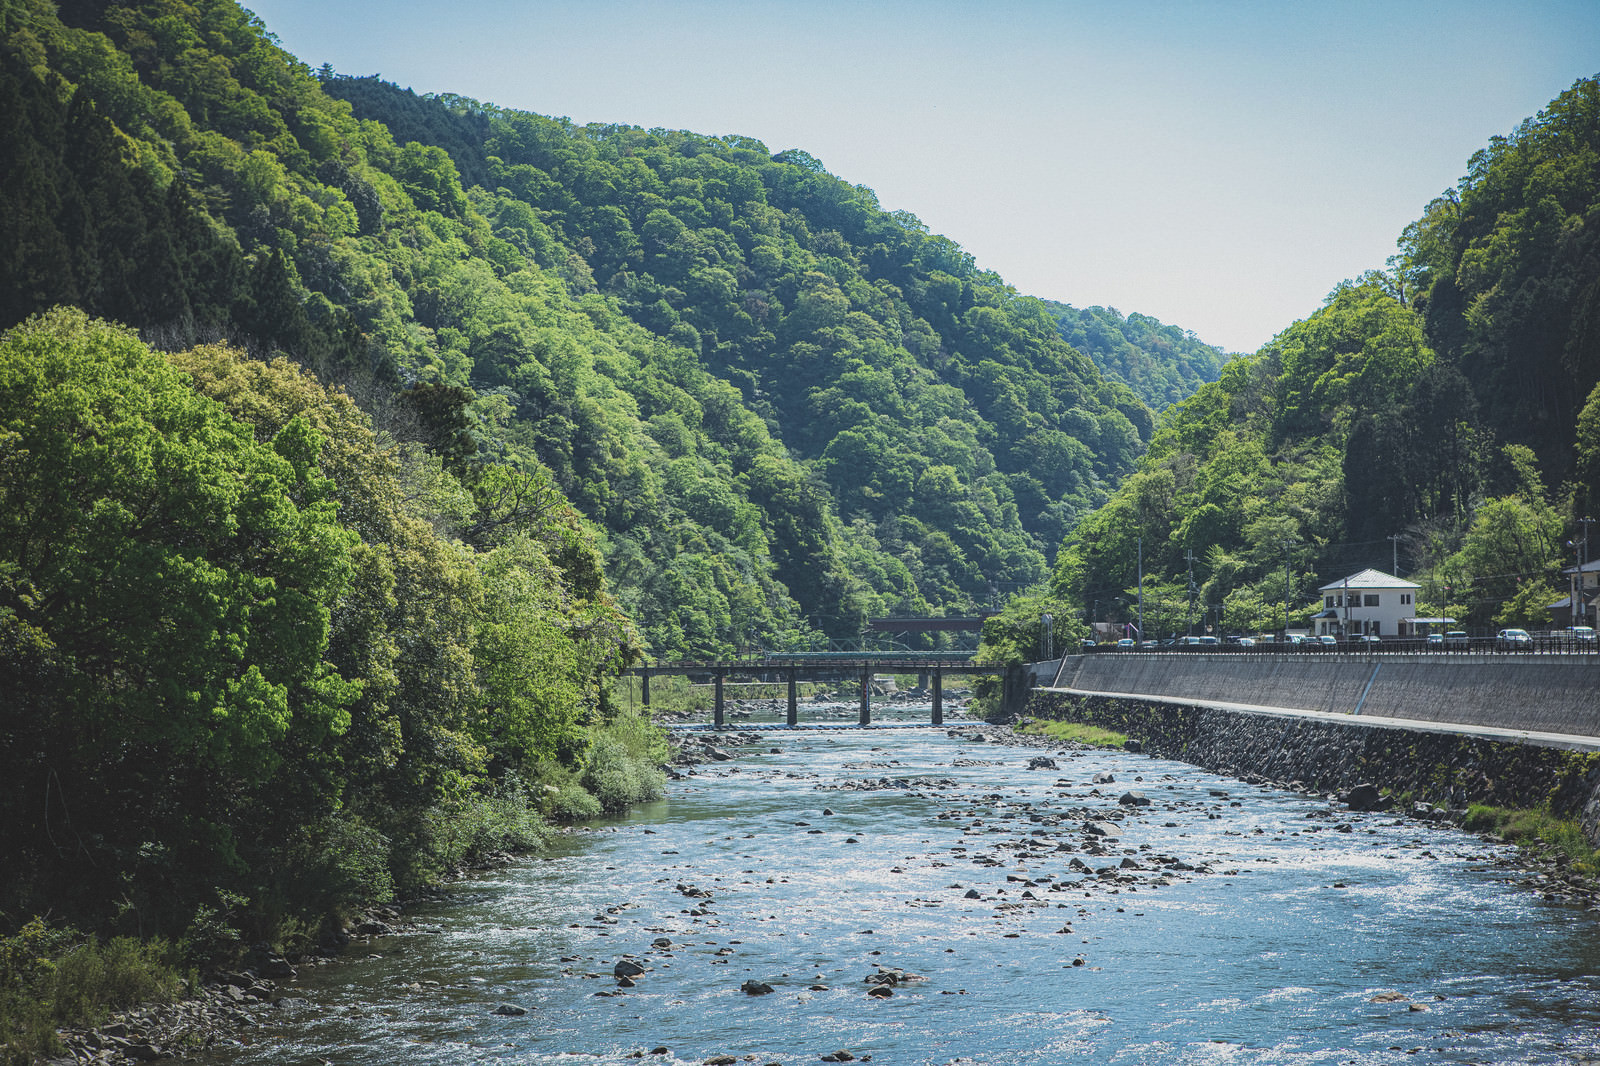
x=1221 y=166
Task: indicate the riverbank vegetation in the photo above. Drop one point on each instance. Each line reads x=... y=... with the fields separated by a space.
x=266 y=667
x=1073 y=732
x=1539 y=833
x=52 y=978
x=1439 y=415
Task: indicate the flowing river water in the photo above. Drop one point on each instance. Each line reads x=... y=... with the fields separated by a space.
x=1220 y=923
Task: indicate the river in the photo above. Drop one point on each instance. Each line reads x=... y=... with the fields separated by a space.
x=1221 y=923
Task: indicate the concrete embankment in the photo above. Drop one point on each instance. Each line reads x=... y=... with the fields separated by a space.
x=1506 y=734
x=1546 y=693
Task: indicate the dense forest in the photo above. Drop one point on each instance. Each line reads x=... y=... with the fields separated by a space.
x=781 y=409
x=351 y=441
x=1443 y=412
x=1162 y=364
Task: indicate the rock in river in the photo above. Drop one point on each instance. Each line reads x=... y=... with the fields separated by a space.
x=1364 y=798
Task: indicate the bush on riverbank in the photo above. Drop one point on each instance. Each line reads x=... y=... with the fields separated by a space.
x=51 y=978
x=1074 y=732
x=1536 y=831
x=623 y=767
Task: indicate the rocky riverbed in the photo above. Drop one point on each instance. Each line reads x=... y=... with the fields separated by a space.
x=1067 y=860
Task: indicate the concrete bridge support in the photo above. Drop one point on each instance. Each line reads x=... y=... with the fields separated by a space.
x=718 y=708
x=645 y=694
x=794 y=699
x=938 y=697
x=866 y=695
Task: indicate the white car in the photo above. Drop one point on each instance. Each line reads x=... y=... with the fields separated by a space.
x=1513 y=640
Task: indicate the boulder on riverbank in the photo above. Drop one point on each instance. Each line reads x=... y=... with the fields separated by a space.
x=1365 y=797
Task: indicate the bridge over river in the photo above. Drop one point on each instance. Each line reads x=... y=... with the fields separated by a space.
x=794 y=667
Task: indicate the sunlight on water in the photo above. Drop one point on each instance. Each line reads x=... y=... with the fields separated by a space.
x=1221 y=923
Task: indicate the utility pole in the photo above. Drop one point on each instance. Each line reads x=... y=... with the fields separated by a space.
x=1188 y=556
x=1394 y=545
x=1286 y=588
x=1579 y=614
x=1583 y=550
x=1141 y=588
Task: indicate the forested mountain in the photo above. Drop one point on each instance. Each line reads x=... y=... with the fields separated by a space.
x=1450 y=402
x=1162 y=364
x=282 y=636
x=782 y=408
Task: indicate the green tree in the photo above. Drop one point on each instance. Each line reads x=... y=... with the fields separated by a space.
x=167 y=586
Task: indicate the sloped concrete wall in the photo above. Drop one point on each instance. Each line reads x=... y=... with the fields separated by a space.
x=1549 y=694
x=1451 y=770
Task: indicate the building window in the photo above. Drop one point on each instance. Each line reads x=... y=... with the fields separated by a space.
x=1371 y=599
x=1327 y=601
x=1405 y=598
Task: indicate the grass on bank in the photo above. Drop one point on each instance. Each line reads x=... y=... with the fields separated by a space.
x=1536 y=831
x=1092 y=735
x=54 y=978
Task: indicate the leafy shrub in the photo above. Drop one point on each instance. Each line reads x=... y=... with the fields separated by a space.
x=501 y=818
x=618 y=778
x=565 y=799
x=1535 y=829
x=54 y=977
x=623 y=765
x=355 y=864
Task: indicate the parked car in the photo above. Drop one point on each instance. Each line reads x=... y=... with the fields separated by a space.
x=1435 y=640
x=1581 y=634
x=1247 y=642
x=1513 y=640
x=1126 y=644
x=1327 y=641
x=1456 y=638
x=1366 y=638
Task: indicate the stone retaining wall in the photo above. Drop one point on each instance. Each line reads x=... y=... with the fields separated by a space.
x=1543 y=693
x=1445 y=769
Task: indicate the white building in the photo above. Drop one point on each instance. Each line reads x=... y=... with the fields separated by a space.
x=1561 y=613
x=1370 y=602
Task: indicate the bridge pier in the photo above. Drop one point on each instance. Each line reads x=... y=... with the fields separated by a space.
x=645 y=695
x=794 y=699
x=718 y=708
x=866 y=695
x=938 y=697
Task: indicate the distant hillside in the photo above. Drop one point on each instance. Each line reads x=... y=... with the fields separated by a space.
x=1444 y=413
x=1162 y=364
x=781 y=408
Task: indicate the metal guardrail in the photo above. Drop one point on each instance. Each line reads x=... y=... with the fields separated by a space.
x=1478 y=646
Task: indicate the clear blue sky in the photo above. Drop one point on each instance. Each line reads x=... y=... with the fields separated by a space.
x=1221 y=166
